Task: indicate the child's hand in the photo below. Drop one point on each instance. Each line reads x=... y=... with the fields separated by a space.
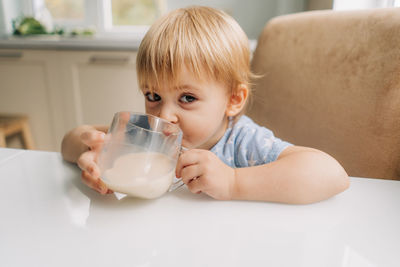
x=202 y=171
x=88 y=160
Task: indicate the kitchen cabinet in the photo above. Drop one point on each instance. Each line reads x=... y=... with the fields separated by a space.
x=98 y=84
x=25 y=87
x=60 y=90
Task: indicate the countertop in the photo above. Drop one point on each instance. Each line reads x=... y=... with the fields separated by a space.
x=128 y=43
x=49 y=218
x=97 y=42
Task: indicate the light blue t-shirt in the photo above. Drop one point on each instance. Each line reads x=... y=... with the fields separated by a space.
x=246 y=144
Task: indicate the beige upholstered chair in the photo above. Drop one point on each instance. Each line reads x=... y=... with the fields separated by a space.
x=331 y=80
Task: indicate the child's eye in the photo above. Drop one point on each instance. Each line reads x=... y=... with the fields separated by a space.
x=187 y=99
x=152 y=97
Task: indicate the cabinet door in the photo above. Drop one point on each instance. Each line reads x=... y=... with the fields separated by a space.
x=25 y=88
x=98 y=84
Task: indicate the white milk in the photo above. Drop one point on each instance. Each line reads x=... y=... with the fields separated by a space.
x=144 y=174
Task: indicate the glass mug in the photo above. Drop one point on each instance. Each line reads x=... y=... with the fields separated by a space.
x=139 y=155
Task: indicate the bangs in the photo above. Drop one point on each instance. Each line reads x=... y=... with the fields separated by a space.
x=199 y=39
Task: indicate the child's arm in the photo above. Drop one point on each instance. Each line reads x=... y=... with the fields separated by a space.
x=300 y=175
x=82 y=146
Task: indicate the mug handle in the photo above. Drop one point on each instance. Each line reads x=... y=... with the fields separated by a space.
x=177 y=184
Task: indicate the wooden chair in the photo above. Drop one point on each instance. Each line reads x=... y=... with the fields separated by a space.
x=15 y=125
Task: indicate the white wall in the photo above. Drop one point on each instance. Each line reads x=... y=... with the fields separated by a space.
x=252 y=15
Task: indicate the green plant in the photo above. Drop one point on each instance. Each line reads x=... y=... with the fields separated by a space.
x=28 y=25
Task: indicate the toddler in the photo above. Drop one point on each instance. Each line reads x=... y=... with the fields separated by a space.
x=193 y=68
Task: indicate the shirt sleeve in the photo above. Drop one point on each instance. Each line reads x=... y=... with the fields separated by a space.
x=256 y=145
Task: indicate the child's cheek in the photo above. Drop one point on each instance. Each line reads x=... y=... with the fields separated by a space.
x=193 y=138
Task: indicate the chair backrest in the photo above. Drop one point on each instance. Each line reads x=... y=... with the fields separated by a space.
x=331 y=80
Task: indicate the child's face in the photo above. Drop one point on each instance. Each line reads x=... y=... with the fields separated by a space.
x=197 y=107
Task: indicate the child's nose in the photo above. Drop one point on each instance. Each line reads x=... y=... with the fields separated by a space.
x=168 y=113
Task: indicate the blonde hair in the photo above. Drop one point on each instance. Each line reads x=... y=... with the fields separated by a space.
x=208 y=42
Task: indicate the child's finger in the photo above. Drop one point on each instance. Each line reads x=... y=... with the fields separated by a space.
x=124 y=118
x=187 y=158
x=94 y=183
x=88 y=180
x=92 y=138
x=190 y=172
x=196 y=186
x=103 y=189
x=87 y=162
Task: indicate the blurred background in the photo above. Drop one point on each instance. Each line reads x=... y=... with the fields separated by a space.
x=132 y=16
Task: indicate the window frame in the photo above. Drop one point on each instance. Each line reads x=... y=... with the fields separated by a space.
x=364 y=4
x=87 y=21
x=107 y=27
x=98 y=14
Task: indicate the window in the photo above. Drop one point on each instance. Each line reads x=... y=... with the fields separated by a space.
x=107 y=16
x=66 y=9
x=134 y=16
x=364 y=4
x=139 y=12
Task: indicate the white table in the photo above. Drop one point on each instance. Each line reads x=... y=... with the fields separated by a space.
x=49 y=218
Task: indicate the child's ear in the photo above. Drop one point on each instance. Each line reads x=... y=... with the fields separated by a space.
x=237 y=100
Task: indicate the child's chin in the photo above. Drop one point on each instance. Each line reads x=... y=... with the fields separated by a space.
x=187 y=145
